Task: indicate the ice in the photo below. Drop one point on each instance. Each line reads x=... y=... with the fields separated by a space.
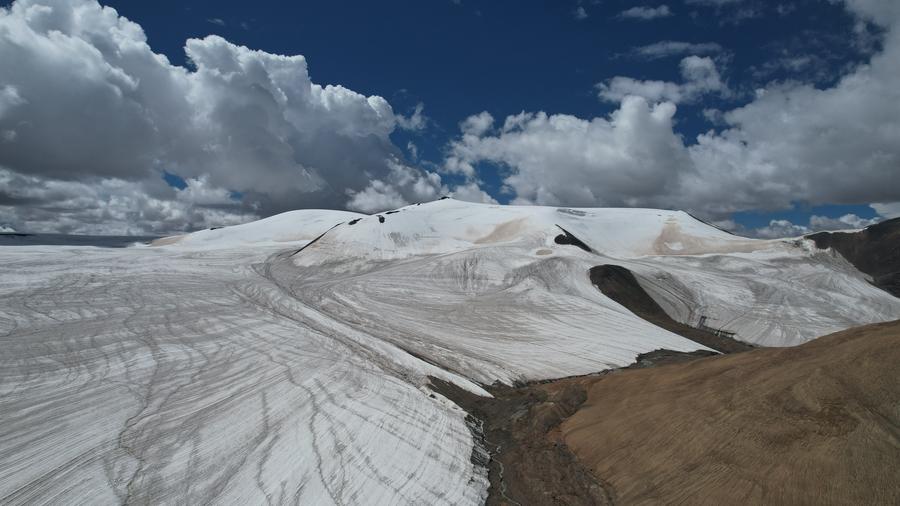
x=237 y=366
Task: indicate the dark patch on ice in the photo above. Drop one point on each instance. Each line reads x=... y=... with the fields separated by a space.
x=380 y=219
x=353 y=222
x=392 y=212
x=620 y=285
x=710 y=224
x=445 y=197
x=567 y=238
x=215 y=228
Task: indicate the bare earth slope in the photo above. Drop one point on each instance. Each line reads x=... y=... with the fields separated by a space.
x=814 y=424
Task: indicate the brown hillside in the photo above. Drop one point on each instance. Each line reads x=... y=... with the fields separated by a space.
x=814 y=424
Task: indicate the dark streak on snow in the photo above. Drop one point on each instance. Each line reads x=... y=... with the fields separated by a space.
x=310 y=243
x=567 y=238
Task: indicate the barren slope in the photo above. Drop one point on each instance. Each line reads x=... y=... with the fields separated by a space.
x=814 y=424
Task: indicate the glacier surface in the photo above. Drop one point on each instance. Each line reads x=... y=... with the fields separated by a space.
x=286 y=360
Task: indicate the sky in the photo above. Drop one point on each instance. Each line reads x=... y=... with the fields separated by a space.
x=768 y=119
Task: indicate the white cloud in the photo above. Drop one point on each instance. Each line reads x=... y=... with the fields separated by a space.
x=114 y=206
x=477 y=124
x=200 y=191
x=793 y=142
x=83 y=97
x=646 y=13
x=401 y=186
x=580 y=13
x=417 y=121
x=667 y=48
x=785 y=228
x=847 y=221
x=472 y=192
x=9 y=98
x=777 y=229
x=887 y=210
x=561 y=159
x=700 y=77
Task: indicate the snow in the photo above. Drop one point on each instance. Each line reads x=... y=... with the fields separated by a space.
x=238 y=366
x=292 y=226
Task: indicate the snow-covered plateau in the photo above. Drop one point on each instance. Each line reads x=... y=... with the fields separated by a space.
x=287 y=360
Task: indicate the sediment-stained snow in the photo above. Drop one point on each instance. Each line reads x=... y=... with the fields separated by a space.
x=236 y=366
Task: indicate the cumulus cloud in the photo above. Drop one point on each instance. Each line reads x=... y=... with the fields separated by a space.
x=83 y=98
x=472 y=192
x=700 y=78
x=847 y=221
x=561 y=159
x=780 y=228
x=402 y=185
x=887 y=210
x=477 y=124
x=416 y=121
x=646 y=13
x=668 y=48
x=785 y=228
x=114 y=206
x=793 y=142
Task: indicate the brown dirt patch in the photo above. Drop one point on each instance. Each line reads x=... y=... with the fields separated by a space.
x=529 y=461
x=165 y=241
x=504 y=231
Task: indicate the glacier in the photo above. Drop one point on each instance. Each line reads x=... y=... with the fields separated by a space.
x=287 y=360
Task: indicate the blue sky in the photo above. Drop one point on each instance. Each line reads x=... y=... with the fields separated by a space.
x=460 y=58
x=573 y=60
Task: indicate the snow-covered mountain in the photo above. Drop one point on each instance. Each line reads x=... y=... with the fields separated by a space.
x=287 y=359
x=770 y=292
